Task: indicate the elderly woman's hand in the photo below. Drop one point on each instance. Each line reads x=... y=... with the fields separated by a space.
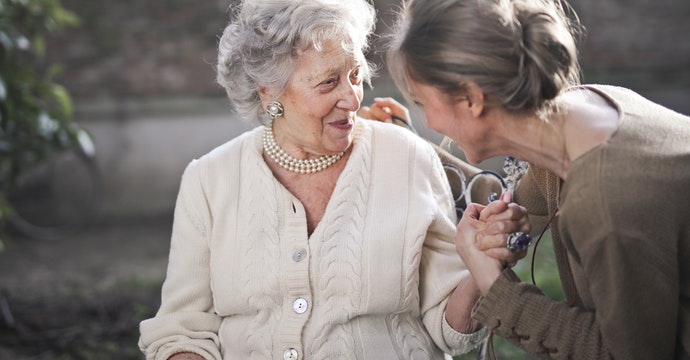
x=186 y=356
x=481 y=238
x=384 y=109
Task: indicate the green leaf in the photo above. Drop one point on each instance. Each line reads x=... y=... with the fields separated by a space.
x=63 y=100
x=53 y=71
x=39 y=46
x=64 y=17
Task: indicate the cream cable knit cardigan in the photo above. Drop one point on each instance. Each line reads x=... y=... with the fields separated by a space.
x=245 y=281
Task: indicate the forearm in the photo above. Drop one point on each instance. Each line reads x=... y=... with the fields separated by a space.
x=460 y=304
x=522 y=314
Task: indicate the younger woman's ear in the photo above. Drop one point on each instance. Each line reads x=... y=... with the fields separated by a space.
x=475 y=99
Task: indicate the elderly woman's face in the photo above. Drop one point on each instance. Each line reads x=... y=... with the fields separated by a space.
x=321 y=100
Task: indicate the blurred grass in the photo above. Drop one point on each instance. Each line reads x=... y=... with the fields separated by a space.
x=546 y=278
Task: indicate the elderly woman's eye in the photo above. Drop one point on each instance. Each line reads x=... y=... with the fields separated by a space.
x=329 y=82
x=356 y=76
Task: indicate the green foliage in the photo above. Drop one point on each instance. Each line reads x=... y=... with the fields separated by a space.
x=35 y=112
x=546 y=278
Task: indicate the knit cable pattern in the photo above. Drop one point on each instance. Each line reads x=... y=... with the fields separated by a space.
x=261 y=247
x=339 y=269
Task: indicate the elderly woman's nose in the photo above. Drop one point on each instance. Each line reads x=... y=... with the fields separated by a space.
x=351 y=97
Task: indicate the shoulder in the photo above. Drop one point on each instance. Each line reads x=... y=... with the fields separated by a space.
x=390 y=131
x=613 y=93
x=631 y=103
x=247 y=140
x=397 y=139
x=404 y=154
x=225 y=158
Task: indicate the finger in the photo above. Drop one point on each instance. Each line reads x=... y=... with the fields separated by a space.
x=495 y=234
x=526 y=225
x=388 y=102
x=486 y=241
x=365 y=113
x=493 y=208
x=380 y=113
x=501 y=211
x=396 y=108
x=515 y=216
x=472 y=212
x=471 y=217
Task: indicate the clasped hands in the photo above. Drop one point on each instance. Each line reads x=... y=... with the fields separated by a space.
x=481 y=238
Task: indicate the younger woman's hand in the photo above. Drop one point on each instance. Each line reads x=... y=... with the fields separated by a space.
x=384 y=109
x=503 y=217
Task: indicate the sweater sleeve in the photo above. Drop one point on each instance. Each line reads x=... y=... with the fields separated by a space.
x=441 y=269
x=185 y=321
x=533 y=193
x=522 y=314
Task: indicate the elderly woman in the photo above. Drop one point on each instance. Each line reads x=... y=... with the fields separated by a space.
x=612 y=169
x=318 y=235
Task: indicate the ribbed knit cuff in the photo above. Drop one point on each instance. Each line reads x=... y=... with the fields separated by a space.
x=498 y=298
x=461 y=343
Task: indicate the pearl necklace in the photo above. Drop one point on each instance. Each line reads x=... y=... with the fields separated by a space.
x=301 y=166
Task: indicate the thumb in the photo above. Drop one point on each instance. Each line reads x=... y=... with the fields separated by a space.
x=472 y=215
x=507 y=197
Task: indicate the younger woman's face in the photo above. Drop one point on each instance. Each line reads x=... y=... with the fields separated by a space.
x=452 y=117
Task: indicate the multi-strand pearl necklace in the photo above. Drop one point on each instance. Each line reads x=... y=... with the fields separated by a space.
x=302 y=166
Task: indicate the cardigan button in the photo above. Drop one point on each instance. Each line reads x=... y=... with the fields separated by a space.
x=300 y=305
x=291 y=354
x=299 y=255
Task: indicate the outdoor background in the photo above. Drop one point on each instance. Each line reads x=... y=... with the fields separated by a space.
x=141 y=76
x=141 y=73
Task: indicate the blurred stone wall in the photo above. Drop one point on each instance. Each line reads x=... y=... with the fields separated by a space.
x=140 y=49
x=166 y=48
x=640 y=44
x=141 y=74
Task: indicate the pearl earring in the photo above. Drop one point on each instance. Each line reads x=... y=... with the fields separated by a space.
x=274 y=109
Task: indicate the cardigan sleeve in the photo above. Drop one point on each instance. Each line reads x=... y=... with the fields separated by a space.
x=186 y=321
x=441 y=269
x=522 y=314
